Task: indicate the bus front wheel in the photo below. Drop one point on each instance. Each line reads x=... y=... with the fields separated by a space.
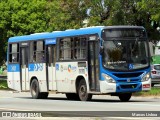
x=82 y=91
x=125 y=97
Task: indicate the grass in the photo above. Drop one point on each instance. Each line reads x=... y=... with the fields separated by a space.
x=3 y=85
x=153 y=92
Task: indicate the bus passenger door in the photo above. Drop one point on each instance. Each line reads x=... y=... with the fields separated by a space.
x=24 y=68
x=93 y=62
x=51 y=56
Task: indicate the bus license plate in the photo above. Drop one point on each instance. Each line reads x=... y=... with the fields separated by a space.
x=146 y=86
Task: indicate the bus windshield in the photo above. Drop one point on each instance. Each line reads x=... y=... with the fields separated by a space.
x=125 y=53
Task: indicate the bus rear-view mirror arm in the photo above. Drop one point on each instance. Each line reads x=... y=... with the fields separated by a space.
x=101 y=50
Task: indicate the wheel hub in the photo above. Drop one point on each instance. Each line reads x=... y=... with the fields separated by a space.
x=34 y=89
x=83 y=91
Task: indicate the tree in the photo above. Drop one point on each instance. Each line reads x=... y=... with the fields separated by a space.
x=150 y=9
x=21 y=17
x=126 y=12
x=98 y=11
x=68 y=14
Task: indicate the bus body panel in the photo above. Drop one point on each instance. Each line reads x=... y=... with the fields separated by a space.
x=25 y=79
x=52 y=78
x=14 y=81
x=107 y=87
x=66 y=75
x=146 y=85
x=38 y=70
x=14 y=77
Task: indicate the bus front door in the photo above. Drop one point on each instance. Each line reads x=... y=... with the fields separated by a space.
x=93 y=63
x=51 y=56
x=24 y=68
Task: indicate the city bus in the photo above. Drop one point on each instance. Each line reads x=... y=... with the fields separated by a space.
x=80 y=63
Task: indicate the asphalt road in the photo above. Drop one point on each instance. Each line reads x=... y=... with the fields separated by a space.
x=101 y=106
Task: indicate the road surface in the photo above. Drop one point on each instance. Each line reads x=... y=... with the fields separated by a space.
x=101 y=106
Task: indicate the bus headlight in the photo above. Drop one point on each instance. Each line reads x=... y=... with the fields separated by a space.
x=108 y=78
x=146 y=77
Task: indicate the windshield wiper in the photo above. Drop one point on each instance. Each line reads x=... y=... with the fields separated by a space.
x=136 y=41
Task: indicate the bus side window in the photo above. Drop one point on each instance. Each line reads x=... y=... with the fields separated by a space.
x=32 y=57
x=14 y=53
x=72 y=48
x=61 y=52
x=37 y=51
x=76 y=47
x=83 y=47
x=65 y=49
x=52 y=55
x=80 y=48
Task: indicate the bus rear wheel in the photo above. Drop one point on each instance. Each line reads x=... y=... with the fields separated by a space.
x=44 y=95
x=35 y=92
x=82 y=91
x=125 y=97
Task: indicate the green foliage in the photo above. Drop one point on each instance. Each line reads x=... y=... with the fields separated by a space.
x=153 y=92
x=126 y=12
x=26 y=17
x=21 y=17
x=149 y=10
x=3 y=84
x=67 y=14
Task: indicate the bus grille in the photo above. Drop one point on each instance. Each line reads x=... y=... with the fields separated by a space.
x=128 y=86
x=127 y=75
x=131 y=80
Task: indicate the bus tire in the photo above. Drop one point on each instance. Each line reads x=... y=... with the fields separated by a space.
x=82 y=91
x=44 y=95
x=35 y=92
x=72 y=96
x=125 y=97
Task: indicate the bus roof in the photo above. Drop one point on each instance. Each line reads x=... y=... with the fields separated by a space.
x=55 y=34
x=69 y=32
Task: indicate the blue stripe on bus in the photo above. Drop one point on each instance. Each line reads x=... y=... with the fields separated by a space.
x=13 y=68
x=50 y=41
x=35 y=67
x=84 y=31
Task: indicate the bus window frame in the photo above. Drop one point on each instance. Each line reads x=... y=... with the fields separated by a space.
x=34 y=53
x=51 y=60
x=10 y=53
x=72 y=37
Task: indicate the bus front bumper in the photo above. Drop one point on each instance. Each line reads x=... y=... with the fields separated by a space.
x=106 y=87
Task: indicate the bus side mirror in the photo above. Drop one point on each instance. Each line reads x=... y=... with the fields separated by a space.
x=101 y=50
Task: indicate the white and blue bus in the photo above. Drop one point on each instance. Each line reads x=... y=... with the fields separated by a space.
x=80 y=63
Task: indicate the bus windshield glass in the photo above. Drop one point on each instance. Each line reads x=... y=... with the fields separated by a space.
x=125 y=32
x=125 y=50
